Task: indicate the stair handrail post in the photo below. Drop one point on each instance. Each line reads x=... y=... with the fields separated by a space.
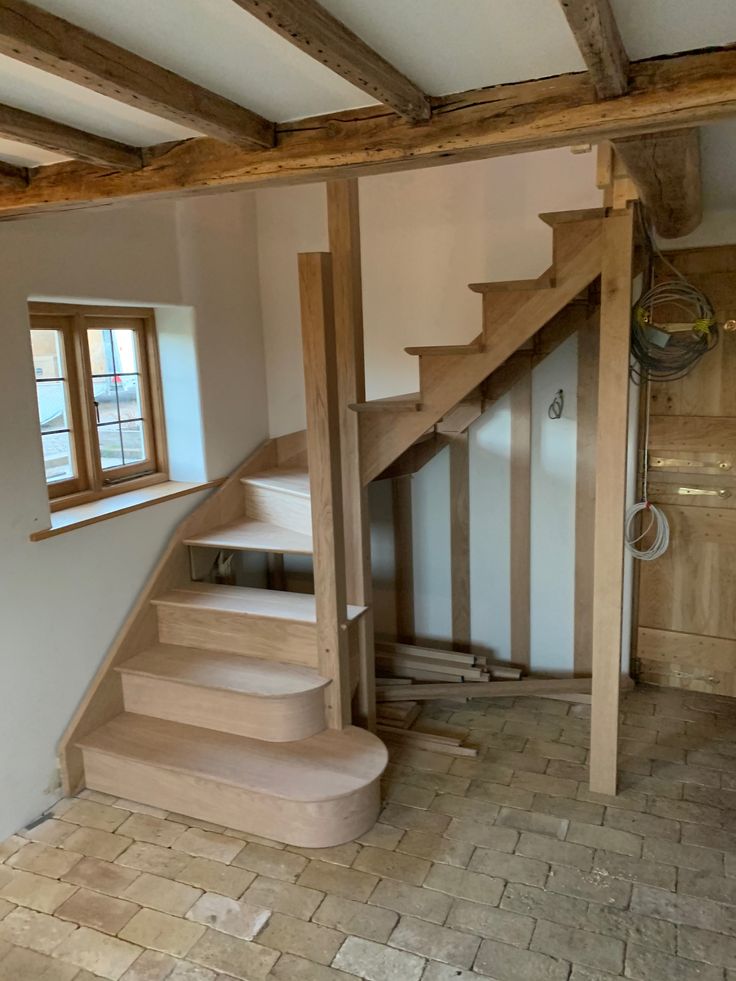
x=343 y=223
x=610 y=496
x=325 y=481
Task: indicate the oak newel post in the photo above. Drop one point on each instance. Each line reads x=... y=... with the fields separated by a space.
x=325 y=481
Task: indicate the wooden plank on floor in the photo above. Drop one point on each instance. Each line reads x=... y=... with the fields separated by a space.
x=483 y=689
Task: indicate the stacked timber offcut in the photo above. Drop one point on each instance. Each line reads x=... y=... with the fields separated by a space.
x=406 y=667
x=411 y=663
x=406 y=674
x=400 y=724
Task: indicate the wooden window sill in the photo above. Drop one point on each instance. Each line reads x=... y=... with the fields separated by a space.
x=110 y=507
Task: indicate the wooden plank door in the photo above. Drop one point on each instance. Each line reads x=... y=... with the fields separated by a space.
x=686 y=631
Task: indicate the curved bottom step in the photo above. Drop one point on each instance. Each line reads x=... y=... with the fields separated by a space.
x=229 y=692
x=315 y=793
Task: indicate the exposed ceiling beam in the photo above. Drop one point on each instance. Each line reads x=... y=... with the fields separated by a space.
x=664 y=167
x=25 y=127
x=11 y=176
x=666 y=170
x=666 y=93
x=306 y=24
x=40 y=39
x=597 y=35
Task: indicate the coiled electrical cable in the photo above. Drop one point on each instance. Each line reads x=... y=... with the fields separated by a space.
x=658 y=519
x=657 y=353
x=658 y=522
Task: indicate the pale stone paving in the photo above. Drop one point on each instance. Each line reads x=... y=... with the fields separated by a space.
x=504 y=868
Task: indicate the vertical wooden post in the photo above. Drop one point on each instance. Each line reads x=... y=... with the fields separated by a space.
x=275 y=571
x=520 y=523
x=343 y=219
x=588 y=342
x=403 y=559
x=610 y=497
x=325 y=481
x=460 y=539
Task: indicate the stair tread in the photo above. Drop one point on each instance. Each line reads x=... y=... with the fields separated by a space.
x=290 y=480
x=267 y=603
x=545 y=281
x=249 y=535
x=553 y=218
x=330 y=765
x=224 y=671
x=444 y=350
x=411 y=402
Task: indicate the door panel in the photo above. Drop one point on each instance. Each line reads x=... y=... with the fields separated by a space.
x=686 y=633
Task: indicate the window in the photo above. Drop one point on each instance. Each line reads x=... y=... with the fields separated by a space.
x=99 y=400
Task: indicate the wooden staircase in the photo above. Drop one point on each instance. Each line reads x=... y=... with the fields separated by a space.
x=213 y=704
x=513 y=312
x=233 y=703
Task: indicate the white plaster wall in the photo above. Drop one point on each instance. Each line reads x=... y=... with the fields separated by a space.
x=290 y=220
x=219 y=276
x=425 y=235
x=554 y=457
x=62 y=600
x=490 y=540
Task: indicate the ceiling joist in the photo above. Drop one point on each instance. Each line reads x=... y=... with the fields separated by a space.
x=664 y=94
x=314 y=30
x=44 y=41
x=598 y=38
x=25 y=127
x=664 y=167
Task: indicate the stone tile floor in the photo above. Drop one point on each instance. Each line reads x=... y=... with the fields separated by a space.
x=505 y=867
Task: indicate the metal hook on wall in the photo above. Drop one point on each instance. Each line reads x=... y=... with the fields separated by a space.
x=557 y=405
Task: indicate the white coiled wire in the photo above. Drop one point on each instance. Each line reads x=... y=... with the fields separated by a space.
x=658 y=520
x=657 y=517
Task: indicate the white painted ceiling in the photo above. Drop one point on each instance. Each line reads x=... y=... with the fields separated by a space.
x=443 y=45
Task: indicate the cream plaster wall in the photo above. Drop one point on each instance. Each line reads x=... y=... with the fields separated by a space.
x=62 y=600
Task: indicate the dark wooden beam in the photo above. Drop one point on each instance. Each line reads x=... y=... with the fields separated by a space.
x=314 y=30
x=26 y=127
x=597 y=35
x=41 y=39
x=666 y=170
x=664 y=167
x=665 y=93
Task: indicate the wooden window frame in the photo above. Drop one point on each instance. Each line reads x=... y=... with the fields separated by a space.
x=91 y=482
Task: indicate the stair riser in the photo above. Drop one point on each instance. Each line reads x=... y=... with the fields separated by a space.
x=308 y=825
x=288 y=510
x=215 y=630
x=273 y=719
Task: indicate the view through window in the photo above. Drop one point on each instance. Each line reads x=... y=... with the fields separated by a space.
x=98 y=394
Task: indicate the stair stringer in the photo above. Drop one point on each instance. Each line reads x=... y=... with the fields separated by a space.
x=510 y=320
x=568 y=321
x=103 y=699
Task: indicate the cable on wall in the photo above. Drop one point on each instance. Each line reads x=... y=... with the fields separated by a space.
x=658 y=522
x=667 y=351
x=557 y=405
